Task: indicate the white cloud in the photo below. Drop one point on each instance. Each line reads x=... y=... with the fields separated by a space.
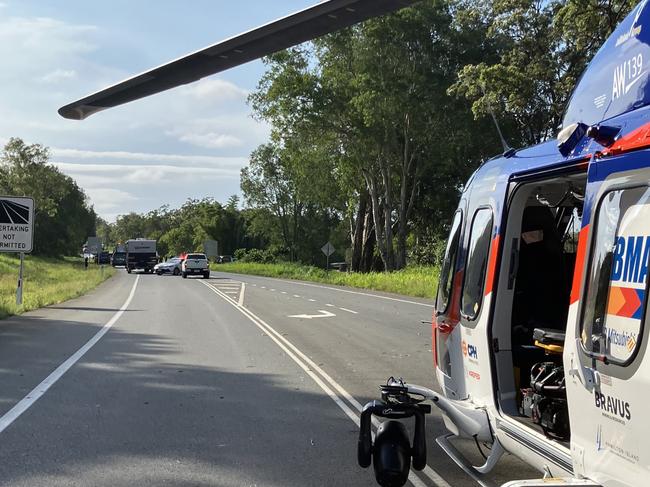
x=215 y=90
x=211 y=140
x=59 y=75
x=173 y=159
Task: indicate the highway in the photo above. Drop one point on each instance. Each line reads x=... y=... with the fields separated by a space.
x=228 y=381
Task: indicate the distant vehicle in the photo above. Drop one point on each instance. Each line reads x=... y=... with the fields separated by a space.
x=223 y=259
x=118 y=259
x=196 y=264
x=103 y=258
x=141 y=254
x=172 y=266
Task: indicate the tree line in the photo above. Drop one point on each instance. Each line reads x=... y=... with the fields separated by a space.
x=63 y=215
x=375 y=129
x=382 y=123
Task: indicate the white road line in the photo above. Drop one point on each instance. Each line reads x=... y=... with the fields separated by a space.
x=232 y=292
x=312 y=300
x=263 y=287
x=35 y=394
x=345 y=291
x=309 y=366
x=349 y=311
x=241 y=295
x=330 y=305
x=273 y=290
x=284 y=292
x=296 y=296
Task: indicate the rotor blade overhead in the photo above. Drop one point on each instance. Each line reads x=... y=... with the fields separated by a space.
x=313 y=22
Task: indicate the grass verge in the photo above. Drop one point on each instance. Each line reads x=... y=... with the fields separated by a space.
x=45 y=281
x=412 y=281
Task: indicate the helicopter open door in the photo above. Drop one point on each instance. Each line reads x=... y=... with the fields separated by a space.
x=605 y=357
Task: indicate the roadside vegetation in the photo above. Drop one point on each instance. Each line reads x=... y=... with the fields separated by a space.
x=374 y=130
x=46 y=281
x=411 y=281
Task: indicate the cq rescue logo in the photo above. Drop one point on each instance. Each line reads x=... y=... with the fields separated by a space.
x=469 y=350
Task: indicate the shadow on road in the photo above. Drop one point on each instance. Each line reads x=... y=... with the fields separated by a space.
x=128 y=414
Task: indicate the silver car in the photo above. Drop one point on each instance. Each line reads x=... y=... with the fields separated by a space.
x=171 y=266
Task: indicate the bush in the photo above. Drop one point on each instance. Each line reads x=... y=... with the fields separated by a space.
x=255 y=255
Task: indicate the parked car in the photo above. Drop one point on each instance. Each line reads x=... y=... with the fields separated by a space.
x=172 y=266
x=196 y=264
x=118 y=259
x=103 y=258
x=223 y=259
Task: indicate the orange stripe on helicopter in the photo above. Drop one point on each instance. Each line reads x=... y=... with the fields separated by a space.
x=580 y=263
x=637 y=139
x=625 y=301
x=492 y=265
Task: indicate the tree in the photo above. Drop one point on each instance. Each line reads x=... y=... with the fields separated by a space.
x=63 y=216
x=543 y=47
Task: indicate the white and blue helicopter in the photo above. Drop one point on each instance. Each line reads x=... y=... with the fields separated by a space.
x=539 y=336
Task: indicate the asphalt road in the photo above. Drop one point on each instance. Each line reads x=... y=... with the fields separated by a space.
x=231 y=381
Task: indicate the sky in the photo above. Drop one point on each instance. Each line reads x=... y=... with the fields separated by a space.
x=189 y=142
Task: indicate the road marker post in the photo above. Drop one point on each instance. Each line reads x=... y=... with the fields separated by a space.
x=19 y=289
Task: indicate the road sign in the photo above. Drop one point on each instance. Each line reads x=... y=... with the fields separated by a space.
x=16 y=224
x=94 y=245
x=328 y=249
x=211 y=248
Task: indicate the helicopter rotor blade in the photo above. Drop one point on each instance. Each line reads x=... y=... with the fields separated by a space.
x=325 y=17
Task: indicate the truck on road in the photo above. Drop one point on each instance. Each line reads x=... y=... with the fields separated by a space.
x=194 y=264
x=141 y=254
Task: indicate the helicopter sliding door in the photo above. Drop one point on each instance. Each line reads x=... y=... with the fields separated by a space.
x=607 y=371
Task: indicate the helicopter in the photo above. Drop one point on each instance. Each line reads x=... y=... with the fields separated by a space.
x=539 y=336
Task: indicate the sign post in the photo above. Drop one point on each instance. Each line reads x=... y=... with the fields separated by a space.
x=328 y=249
x=19 y=289
x=17 y=232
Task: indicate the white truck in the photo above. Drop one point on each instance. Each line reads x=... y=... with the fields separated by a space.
x=140 y=254
x=195 y=264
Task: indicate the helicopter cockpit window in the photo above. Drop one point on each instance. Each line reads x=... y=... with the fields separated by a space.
x=477 y=260
x=449 y=264
x=617 y=284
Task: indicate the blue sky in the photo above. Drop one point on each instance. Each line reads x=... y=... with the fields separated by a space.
x=188 y=142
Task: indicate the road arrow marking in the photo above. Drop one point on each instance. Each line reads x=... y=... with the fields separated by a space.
x=323 y=314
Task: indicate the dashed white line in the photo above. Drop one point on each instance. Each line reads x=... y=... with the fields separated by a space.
x=35 y=394
x=330 y=305
x=272 y=290
x=390 y=298
x=296 y=296
x=349 y=311
x=308 y=366
x=284 y=292
x=312 y=300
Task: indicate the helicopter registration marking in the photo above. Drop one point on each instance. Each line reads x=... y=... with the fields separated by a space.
x=626 y=75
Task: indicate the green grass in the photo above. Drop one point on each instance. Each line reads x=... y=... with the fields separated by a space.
x=412 y=281
x=45 y=281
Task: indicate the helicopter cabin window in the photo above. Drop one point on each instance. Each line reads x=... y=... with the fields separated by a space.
x=477 y=260
x=617 y=284
x=449 y=264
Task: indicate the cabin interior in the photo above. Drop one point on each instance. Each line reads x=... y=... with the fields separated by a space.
x=536 y=274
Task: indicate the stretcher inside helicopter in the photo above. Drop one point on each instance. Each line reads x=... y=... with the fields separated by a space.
x=539 y=249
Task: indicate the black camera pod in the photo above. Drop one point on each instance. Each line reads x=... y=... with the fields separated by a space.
x=391 y=452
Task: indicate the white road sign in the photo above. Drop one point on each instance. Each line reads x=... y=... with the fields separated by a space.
x=211 y=248
x=16 y=224
x=94 y=245
x=328 y=249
